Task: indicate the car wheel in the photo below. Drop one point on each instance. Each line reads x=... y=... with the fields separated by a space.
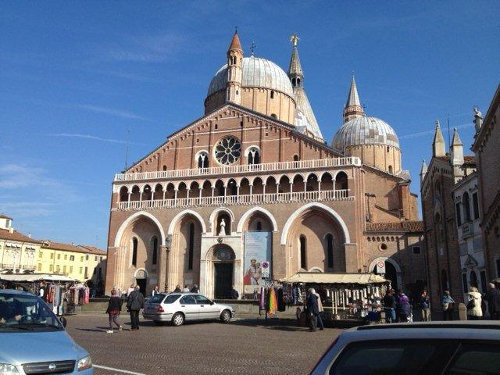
x=225 y=316
x=178 y=319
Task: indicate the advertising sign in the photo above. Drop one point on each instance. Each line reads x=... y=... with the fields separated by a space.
x=257 y=264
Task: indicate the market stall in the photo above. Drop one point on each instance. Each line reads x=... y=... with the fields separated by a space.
x=345 y=296
x=56 y=290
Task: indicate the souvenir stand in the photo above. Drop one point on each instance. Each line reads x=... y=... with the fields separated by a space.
x=56 y=288
x=346 y=297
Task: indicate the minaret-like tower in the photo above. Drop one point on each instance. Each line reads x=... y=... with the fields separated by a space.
x=295 y=70
x=457 y=156
x=234 y=70
x=353 y=107
x=438 y=148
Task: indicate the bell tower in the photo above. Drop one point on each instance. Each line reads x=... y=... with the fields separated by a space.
x=234 y=70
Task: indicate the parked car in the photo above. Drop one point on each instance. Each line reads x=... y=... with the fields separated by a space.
x=180 y=307
x=33 y=340
x=463 y=347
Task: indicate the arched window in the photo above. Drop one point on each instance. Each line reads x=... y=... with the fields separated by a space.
x=123 y=194
x=303 y=245
x=272 y=94
x=341 y=181
x=134 y=251
x=202 y=160
x=390 y=169
x=191 y=246
x=473 y=279
x=164 y=167
x=254 y=156
x=466 y=204
x=154 y=259
x=296 y=158
x=475 y=205
x=329 y=249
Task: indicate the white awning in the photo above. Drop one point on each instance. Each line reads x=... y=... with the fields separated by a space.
x=36 y=277
x=334 y=278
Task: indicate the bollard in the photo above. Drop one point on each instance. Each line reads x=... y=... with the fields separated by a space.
x=462 y=311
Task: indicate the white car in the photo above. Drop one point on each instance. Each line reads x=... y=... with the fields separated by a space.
x=180 y=307
x=465 y=347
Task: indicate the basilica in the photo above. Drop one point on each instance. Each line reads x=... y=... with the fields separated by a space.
x=251 y=191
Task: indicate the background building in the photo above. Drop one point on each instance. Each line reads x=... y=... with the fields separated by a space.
x=251 y=188
x=20 y=254
x=17 y=251
x=487 y=149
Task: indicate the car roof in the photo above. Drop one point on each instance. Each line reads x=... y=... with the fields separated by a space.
x=14 y=291
x=487 y=330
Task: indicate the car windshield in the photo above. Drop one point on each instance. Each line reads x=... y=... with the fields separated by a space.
x=171 y=298
x=25 y=312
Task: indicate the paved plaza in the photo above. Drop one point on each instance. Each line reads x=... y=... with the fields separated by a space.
x=245 y=346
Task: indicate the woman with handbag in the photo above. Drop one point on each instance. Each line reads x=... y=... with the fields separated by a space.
x=474 y=310
x=113 y=310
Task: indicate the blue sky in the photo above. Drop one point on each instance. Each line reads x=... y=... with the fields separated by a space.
x=77 y=77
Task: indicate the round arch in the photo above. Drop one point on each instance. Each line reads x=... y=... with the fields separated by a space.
x=395 y=264
x=180 y=215
x=133 y=217
x=247 y=214
x=141 y=273
x=320 y=206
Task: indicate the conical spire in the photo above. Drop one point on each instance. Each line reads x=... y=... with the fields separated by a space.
x=457 y=156
x=295 y=69
x=235 y=43
x=353 y=97
x=456 y=138
x=423 y=171
x=353 y=107
x=438 y=148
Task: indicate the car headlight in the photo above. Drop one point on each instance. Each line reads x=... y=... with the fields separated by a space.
x=84 y=363
x=8 y=369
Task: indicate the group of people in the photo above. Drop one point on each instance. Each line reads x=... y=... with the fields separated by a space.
x=397 y=307
x=135 y=302
x=186 y=289
x=476 y=308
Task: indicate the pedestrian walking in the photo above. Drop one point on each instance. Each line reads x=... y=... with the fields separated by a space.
x=389 y=306
x=312 y=310
x=195 y=289
x=130 y=289
x=403 y=308
x=135 y=303
x=474 y=310
x=425 y=306
x=113 y=310
x=492 y=296
x=320 y=311
x=447 y=305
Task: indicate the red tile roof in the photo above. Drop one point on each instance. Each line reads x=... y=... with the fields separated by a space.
x=5 y=234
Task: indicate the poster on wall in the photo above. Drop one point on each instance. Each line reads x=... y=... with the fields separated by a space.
x=257 y=260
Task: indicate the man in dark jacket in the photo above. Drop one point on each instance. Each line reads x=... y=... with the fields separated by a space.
x=493 y=298
x=135 y=303
x=390 y=306
x=312 y=309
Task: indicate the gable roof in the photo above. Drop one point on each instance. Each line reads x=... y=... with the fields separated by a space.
x=5 y=234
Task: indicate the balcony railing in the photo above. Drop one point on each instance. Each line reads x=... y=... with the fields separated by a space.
x=237 y=169
x=329 y=195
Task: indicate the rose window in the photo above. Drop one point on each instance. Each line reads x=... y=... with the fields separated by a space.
x=228 y=150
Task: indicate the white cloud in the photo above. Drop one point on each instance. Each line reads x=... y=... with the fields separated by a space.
x=88 y=136
x=112 y=112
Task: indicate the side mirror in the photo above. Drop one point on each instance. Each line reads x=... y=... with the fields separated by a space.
x=63 y=321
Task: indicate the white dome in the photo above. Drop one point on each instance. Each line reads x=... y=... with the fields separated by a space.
x=257 y=72
x=364 y=130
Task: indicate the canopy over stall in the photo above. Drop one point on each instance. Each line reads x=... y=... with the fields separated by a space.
x=34 y=277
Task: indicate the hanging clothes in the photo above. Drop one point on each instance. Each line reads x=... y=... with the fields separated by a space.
x=281 y=299
x=272 y=304
x=262 y=299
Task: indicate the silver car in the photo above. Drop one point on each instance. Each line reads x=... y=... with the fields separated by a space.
x=180 y=307
x=33 y=340
x=466 y=347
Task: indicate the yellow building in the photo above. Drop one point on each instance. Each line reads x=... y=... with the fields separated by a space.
x=18 y=252
x=76 y=261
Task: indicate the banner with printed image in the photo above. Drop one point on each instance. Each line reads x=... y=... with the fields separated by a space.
x=257 y=264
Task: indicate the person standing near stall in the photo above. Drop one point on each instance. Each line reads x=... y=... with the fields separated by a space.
x=135 y=303
x=313 y=310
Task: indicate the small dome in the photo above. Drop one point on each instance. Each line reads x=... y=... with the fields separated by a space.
x=364 y=130
x=257 y=72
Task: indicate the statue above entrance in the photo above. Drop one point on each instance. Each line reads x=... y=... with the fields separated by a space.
x=222 y=231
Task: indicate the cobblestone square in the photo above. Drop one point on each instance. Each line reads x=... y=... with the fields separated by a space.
x=243 y=346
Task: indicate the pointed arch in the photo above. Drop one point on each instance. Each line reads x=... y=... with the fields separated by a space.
x=247 y=214
x=130 y=219
x=180 y=215
x=321 y=206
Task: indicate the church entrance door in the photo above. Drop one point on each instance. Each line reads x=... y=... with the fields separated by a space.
x=223 y=280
